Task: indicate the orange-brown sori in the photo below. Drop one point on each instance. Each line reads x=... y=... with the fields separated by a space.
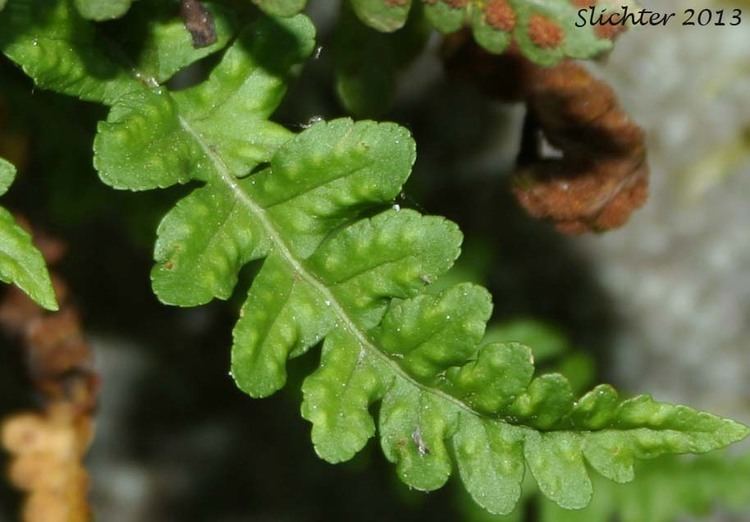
x=544 y=32
x=500 y=15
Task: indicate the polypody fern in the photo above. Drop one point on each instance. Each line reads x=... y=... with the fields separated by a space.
x=340 y=265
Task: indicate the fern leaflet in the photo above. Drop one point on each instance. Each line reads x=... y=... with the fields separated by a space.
x=20 y=262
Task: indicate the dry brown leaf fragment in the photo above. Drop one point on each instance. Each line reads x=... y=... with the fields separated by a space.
x=602 y=174
x=47 y=451
x=47 y=447
x=199 y=22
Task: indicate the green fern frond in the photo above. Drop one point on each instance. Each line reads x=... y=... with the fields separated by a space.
x=544 y=31
x=342 y=266
x=20 y=262
x=356 y=282
x=332 y=273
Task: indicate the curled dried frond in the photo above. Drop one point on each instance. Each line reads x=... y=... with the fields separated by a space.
x=47 y=447
x=601 y=176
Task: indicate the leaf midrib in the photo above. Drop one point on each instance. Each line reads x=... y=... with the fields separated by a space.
x=282 y=249
x=285 y=252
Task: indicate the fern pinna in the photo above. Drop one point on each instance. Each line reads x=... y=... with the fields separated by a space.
x=340 y=265
x=21 y=263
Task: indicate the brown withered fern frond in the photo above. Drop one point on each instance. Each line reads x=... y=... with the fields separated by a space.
x=47 y=445
x=601 y=174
